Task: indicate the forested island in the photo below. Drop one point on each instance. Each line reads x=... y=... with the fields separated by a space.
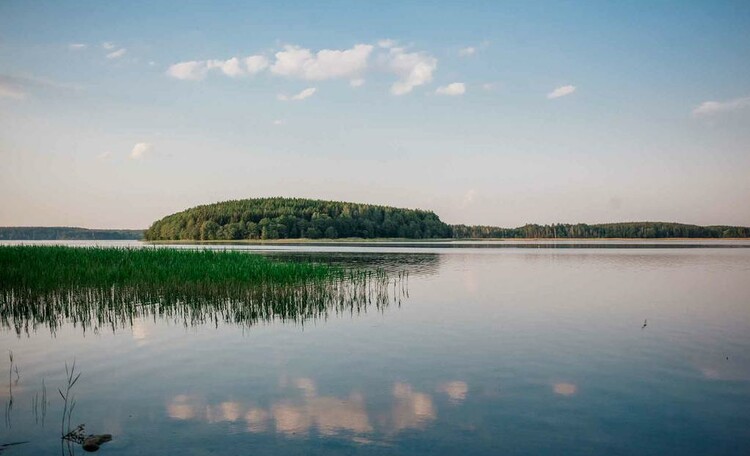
x=66 y=233
x=294 y=218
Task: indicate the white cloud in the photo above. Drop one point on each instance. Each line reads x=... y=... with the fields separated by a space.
x=140 y=150
x=230 y=67
x=256 y=63
x=307 y=93
x=302 y=63
x=108 y=45
x=196 y=70
x=191 y=71
x=709 y=108
x=453 y=89
x=561 y=91
x=104 y=155
x=279 y=122
x=76 y=46
x=10 y=90
x=387 y=44
x=117 y=54
x=488 y=86
x=467 y=51
x=414 y=69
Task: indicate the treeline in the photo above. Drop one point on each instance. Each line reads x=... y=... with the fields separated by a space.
x=55 y=233
x=292 y=218
x=606 y=230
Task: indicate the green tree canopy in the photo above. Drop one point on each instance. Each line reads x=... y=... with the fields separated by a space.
x=645 y=230
x=292 y=218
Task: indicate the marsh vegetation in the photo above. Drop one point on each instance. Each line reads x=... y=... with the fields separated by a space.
x=97 y=288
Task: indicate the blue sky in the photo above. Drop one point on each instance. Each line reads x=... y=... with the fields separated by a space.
x=113 y=114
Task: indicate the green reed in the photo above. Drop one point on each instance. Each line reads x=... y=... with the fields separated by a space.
x=51 y=266
x=99 y=288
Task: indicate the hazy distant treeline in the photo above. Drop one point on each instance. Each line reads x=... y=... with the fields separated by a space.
x=295 y=218
x=44 y=233
x=607 y=230
x=292 y=218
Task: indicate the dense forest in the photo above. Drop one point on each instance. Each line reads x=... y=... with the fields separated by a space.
x=52 y=233
x=606 y=230
x=292 y=218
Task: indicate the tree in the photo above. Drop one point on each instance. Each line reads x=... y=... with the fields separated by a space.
x=331 y=233
x=209 y=230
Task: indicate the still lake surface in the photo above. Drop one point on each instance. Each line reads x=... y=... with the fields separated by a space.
x=490 y=348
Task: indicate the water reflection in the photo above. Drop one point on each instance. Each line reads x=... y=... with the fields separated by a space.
x=140 y=332
x=722 y=367
x=411 y=409
x=565 y=389
x=225 y=412
x=416 y=264
x=326 y=415
x=455 y=390
x=181 y=407
x=112 y=308
x=488 y=357
x=257 y=420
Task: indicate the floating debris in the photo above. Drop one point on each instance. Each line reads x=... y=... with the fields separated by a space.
x=93 y=442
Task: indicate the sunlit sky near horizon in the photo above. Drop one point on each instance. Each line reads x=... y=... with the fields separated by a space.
x=114 y=114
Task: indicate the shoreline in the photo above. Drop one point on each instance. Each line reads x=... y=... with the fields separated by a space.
x=303 y=241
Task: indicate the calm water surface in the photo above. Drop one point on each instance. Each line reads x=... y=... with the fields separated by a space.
x=495 y=351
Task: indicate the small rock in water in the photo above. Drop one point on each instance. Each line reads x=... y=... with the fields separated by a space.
x=93 y=442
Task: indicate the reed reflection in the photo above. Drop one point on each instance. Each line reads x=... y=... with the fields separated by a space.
x=25 y=310
x=414 y=263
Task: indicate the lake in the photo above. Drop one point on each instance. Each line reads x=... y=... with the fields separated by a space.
x=608 y=347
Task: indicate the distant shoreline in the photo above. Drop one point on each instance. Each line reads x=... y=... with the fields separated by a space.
x=432 y=241
x=301 y=218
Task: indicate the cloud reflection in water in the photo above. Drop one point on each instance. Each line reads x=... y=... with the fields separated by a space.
x=565 y=389
x=411 y=409
x=456 y=391
x=327 y=415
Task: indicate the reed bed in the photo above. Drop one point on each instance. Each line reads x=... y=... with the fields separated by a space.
x=97 y=288
x=50 y=267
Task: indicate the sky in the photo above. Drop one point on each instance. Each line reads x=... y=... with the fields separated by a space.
x=114 y=114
